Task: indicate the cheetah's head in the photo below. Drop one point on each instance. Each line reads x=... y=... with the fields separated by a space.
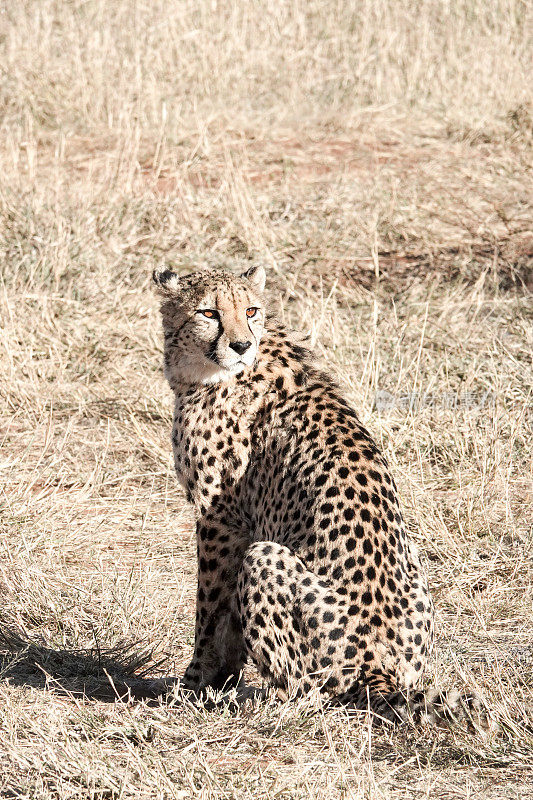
x=212 y=321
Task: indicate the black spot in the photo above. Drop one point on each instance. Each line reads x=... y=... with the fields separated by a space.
x=359 y=531
x=367 y=547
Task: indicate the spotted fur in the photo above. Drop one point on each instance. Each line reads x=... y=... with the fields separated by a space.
x=304 y=563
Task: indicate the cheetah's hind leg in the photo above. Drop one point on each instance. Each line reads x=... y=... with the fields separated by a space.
x=295 y=631
x=292 y=622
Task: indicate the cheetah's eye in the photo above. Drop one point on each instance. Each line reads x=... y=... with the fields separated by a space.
x=251 y=312
x=209 y=313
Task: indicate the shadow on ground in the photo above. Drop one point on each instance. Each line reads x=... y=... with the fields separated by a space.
x=105 y=674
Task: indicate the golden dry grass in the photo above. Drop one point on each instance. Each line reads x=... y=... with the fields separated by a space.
x=377 y=156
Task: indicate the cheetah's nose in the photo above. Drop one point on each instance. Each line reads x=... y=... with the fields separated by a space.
x=240 y=347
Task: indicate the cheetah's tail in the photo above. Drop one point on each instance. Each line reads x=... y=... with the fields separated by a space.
x=432 y=706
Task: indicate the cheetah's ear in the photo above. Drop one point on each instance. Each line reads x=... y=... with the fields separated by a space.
x=257 y=277
x=166 y=281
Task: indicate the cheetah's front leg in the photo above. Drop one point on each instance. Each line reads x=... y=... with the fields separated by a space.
x=219 y=650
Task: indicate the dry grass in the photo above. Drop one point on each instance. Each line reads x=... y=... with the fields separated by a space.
x=378 y=157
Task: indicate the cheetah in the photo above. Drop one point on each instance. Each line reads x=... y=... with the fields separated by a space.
x=304 y=563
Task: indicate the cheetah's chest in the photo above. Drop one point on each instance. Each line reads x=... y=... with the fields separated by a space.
x=210 y=444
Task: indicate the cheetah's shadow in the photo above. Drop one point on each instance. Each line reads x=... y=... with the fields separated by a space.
x=104 y=674
x=107 y=674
